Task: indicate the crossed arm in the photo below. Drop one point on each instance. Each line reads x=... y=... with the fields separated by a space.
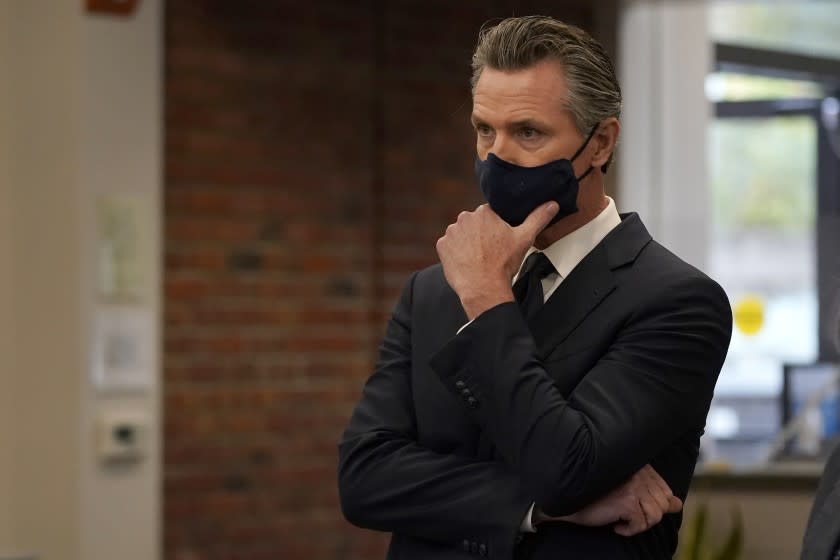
x=596 y=439
x=389 y=482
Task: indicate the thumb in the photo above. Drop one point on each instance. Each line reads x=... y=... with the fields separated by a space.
x=538 y=220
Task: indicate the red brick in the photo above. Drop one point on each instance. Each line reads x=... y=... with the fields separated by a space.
x=289 y=231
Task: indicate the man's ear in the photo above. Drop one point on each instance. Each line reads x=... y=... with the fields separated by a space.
x=605 y=140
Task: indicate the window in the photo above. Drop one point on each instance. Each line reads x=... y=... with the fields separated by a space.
x=811 y=27
x=773 y=227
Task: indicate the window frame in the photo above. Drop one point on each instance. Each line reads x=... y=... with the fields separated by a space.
x=826 y=72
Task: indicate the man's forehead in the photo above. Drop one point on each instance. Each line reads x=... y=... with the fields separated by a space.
x=516 y=109
x=544 y=78
x=513 y=115
x=528 y=93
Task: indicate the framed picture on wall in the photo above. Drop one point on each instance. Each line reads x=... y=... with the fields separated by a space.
x=123 y=349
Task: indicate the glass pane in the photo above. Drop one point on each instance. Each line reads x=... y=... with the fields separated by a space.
x=805 y=27
x=762 y=250
x=728 y=86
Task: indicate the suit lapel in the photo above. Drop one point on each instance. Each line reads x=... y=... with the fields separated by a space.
x=573 y=300
x=576 y=297
x=588 y=284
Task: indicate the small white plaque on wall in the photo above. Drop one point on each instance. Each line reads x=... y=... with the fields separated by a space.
x=124 y=244
x=123 y=349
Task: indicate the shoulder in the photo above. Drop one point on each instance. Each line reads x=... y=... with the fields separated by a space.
x=662 y=284
x=655 y=258
x=427 y=283
x=668 y=273
x=649 y=271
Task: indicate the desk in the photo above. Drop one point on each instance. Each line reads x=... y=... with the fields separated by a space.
x=786 y=476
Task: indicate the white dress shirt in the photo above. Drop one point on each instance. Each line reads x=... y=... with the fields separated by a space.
x=565 y=254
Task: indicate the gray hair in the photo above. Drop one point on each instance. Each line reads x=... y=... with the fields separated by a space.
x=521 y=42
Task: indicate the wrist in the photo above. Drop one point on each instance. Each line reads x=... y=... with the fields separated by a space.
x=475 y=304
x=571 y=518
x=539 y=516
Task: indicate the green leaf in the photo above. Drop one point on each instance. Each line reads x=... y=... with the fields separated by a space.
x=732 y=548
x=696 y=535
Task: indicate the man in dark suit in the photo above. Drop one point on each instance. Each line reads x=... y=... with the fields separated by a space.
x=541 y=392
x=822 y=536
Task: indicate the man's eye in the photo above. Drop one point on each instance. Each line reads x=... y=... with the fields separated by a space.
x=483 y=130
x=529 y=133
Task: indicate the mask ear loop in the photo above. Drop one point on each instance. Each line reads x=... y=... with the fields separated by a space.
x=585 y=142
x=583 y=147
x=588 y=171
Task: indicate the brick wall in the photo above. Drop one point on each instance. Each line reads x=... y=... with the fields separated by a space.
x=314 y=153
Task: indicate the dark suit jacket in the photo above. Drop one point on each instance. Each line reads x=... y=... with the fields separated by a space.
x=455 y=436
x=822 y=535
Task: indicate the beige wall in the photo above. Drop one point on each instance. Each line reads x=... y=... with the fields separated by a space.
x=5 y=284
x=774 y=521
x=45 y=279
x=81 y=110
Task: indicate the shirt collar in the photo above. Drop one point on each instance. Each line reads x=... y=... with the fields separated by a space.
x=567 y=252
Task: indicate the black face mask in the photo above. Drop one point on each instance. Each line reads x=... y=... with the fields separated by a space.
x=513 y=192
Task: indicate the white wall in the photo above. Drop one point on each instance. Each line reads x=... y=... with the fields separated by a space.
x=121 y=152
x=664 y=56
x=81 y=101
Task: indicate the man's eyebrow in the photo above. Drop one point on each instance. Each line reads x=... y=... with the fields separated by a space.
x=528 y=123
x=521 y=123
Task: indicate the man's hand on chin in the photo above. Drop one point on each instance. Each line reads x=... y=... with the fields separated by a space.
x=480 y=254
x=634 y=507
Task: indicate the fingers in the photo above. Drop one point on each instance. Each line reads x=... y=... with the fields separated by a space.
x=657 y=480
x=633 y=520
x=650 y=499
x=658 y=494
x=654 y=505
x=538 y=220
x=669 y=502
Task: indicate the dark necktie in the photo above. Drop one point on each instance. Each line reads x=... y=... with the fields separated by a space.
x=528 y=289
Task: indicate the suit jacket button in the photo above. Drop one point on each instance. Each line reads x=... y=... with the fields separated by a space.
x=482 y=549
x=466 y=393
x=472 y=402
x=465 y=545
x=460 y=385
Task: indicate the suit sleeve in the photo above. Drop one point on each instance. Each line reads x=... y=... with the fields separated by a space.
x=388 y=482
x=654 y=383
